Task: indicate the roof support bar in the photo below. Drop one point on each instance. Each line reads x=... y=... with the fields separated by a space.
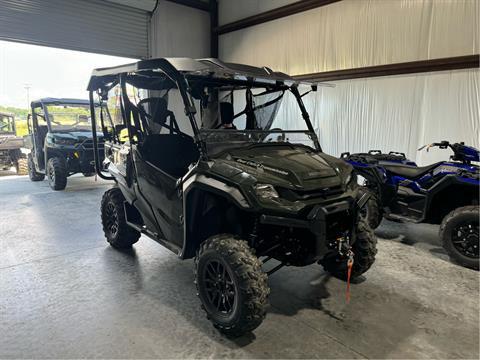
x=287 y=10
x=412 y=67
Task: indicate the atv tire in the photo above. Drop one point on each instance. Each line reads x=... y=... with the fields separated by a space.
x=231 y=285
x=57 y=173
x=118 y=233
x=32 y=172
x=459 y=232
x=372 y=211
x=21 y=165
x=364 y=250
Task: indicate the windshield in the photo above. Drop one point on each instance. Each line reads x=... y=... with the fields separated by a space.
x=6 y=123
x=234 y=116
x=70 y=117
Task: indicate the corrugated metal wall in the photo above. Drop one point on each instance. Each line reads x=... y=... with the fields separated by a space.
x=84 y=25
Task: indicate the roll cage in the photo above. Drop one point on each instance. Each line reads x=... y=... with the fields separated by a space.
x=180 y=73
x=7 y=123
x=45 y=102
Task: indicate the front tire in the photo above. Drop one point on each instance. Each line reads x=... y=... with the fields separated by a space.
x=57 y=173
x=118 y=233
x=231 y=285
x=21 y=165
x=372 y=211
x=364 y=250
x=459 y=232
x=32 y=172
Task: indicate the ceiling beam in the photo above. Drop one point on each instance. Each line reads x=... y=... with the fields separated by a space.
x=196 y=4
x=412 y=67
x=287 y=10
x=213 y=4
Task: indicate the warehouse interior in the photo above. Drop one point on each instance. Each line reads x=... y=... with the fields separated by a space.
x=393 y=75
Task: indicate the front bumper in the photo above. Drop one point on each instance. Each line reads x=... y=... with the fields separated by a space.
x=80 y=159
x=327 y=223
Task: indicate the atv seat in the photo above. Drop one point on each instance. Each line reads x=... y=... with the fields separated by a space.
x=172 y=153
x=410 y=172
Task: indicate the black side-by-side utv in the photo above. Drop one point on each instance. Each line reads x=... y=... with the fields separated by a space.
x=11 y=145
x=220 y=162
x=60 y=140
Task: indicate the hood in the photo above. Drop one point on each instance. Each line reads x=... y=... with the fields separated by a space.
x=78 y=135
x=289 y=166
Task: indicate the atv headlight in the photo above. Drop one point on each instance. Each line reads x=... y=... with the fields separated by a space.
x=266 y=191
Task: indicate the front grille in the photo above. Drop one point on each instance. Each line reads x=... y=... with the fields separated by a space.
x=295 y=195
x=4 y=156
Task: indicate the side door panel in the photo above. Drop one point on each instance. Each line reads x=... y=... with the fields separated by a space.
x=160 y=190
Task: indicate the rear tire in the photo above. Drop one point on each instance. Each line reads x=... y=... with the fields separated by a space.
x=57 y=173
x=118 y=233
x=459 y=232
x=372 y=211
x=364 y=250
x=21 y=166
x=32 y=172
x=231 y=284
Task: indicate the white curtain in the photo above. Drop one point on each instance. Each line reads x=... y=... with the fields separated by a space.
x=356 y=33
x=396 y=113
x=387 y=113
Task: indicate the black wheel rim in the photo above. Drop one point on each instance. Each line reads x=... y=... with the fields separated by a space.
x=111 y=219
x=220 y=289
x=465 y=239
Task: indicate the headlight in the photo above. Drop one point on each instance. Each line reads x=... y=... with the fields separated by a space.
x=266 y=191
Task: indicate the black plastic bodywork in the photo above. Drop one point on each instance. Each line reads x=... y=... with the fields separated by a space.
x=317 y=202
x=418 y=194
x=42 y=140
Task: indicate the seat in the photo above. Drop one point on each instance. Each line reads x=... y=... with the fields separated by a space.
x=226 y=116
x=172 y=153
x=42 y=131
x=410 y=172
x=155 y=111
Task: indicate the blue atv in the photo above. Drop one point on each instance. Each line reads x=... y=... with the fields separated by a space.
x=445 y=193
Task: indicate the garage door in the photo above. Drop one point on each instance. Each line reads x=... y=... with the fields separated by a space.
x=86 y=25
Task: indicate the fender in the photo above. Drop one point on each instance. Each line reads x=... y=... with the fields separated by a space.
x=448 y=180
x=212 y=186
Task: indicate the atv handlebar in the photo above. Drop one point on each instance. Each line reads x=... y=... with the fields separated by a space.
x=442 y=145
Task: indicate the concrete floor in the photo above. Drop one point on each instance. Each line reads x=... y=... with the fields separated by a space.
x=65 y=294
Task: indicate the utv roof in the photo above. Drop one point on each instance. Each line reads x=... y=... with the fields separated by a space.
x=59 y=101
x=174 y=67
